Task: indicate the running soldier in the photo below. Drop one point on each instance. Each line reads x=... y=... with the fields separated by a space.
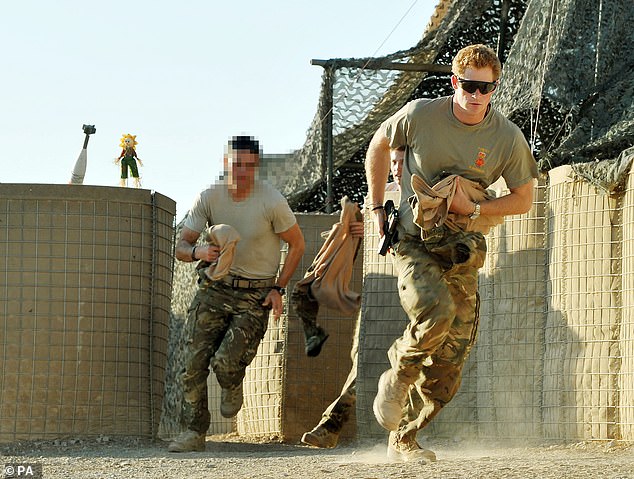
x=229 y=316
x=463 y=137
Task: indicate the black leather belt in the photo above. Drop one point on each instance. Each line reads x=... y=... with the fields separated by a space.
x=238 y=282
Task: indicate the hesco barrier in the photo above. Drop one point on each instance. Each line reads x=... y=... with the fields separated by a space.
x=85 y=286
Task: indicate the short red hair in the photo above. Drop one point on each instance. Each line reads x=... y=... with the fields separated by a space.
x=476 y=56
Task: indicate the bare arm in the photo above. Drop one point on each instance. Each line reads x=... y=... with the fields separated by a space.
x=519 y=201
x=185 y=248
x=295 y=240
x=377 y=168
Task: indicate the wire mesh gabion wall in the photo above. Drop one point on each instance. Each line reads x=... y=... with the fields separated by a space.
x=310 y=384
x=625 y=382
x=85 y=285
x=582 y=358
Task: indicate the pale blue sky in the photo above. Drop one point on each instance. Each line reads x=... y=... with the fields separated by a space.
x=182 y=76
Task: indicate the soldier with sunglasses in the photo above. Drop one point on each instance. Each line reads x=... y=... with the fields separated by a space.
x=459 y=135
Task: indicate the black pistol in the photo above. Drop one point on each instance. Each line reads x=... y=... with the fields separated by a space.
x=390 y=235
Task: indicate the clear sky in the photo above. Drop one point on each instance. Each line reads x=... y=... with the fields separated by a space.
x=182 y=76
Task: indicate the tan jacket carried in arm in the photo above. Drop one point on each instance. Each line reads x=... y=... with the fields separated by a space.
x=226 y=237
x=430 y=205
x=328 y=277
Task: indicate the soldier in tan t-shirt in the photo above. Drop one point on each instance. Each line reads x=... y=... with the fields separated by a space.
x=229 y=316
x=437 y=276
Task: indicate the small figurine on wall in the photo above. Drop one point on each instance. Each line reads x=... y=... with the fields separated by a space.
x=129 y=158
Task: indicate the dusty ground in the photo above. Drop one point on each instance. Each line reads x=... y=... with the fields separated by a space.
x=231 y=457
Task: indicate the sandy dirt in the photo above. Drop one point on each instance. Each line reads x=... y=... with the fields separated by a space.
x=229 y=456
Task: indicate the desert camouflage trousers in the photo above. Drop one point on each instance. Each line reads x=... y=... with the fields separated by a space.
x=338 y=412
x=307 y=310
x=223 y=330
x=438 y=289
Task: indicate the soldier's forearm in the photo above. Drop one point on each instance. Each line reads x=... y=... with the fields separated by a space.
x=377 y=167
x=291 y=263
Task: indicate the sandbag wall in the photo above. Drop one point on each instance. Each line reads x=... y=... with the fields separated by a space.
x=85 y=285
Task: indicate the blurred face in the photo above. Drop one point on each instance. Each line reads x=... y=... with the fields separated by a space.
x=241 y=166
x=470 y=107
x=396 y=165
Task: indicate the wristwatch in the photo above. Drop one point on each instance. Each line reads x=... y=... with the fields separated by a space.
x=279 y=289
x=476 y=212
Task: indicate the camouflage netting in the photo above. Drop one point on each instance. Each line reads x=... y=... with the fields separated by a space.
x=568 y=83
x=363 y=98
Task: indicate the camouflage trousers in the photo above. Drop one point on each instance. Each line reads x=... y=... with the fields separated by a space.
x=438 y=289
x=307 y=310
x=338 y=412
x=223 y=330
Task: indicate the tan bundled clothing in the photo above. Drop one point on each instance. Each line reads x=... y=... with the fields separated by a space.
x=328 y=277
x=226 y=237
x=430 y=205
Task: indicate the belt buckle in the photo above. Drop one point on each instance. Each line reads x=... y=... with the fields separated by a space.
x=241 y=283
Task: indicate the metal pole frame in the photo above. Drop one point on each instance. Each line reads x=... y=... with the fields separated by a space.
x=330 y=67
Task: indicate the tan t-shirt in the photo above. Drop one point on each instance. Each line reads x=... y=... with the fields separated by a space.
x=259 y=220
x=438 y=145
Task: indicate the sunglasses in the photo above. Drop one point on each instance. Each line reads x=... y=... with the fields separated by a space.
x=470 y=86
